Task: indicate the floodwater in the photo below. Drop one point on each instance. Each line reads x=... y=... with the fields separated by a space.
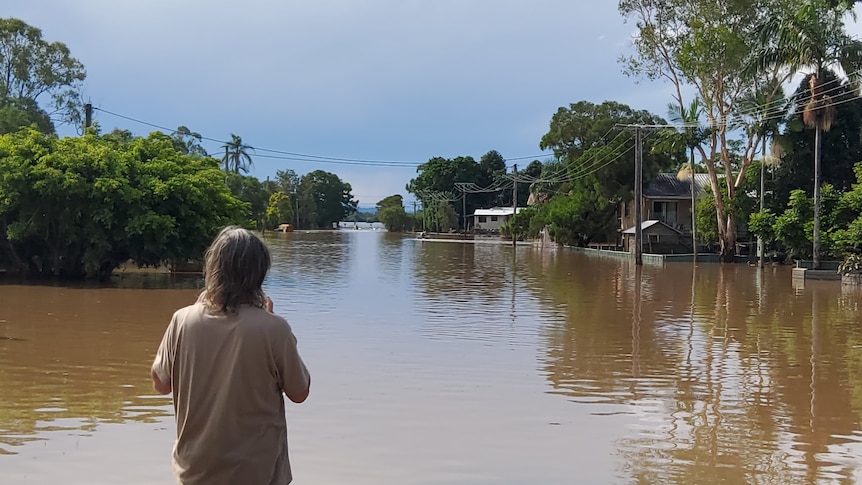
x=445 y=362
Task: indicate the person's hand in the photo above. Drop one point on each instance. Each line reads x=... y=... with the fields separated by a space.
x=268 y=304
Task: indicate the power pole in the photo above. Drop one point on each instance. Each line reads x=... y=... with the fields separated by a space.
x=463 y=187
x=88 y=116
x=638 y=196
x=464 y=210
x=514 y=204
x=263 y=224
x=760 y=245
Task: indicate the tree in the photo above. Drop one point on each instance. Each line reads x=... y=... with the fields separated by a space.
x=31 y=69
x=811 y=35
x=841 y=145
x=287 y=180
x=255 y=195
x=279 y=210
x=188 y=142
x=236 y=155
x=16 y=114
x=324 y=199
x=391 y=201
x=707 y=47
x=688 y=136
x=532 y=172
x=391 y=212
x=79 y=207
x=848 y=236
x=596 y=165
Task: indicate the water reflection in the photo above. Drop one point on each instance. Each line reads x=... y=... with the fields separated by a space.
x=72 y=358
x=456 y=362
x=734 y=378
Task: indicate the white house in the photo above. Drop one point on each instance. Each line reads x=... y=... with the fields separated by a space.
x=490 y=220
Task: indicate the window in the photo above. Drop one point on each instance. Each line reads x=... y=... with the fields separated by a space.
x=493 y=218
x=658 y=207
x=483 y=219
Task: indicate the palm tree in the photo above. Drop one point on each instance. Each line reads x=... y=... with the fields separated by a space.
x=689 y=136
x=812 y=36
x=236 y=155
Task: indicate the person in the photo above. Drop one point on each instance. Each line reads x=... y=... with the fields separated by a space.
x=226 y=359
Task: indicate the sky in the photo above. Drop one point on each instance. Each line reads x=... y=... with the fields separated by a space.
x=393 y=81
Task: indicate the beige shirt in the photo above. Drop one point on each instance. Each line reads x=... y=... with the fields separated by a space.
x=227 y=373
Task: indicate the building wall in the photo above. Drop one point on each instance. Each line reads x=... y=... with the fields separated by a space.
x=489 y=224
x=680 y=218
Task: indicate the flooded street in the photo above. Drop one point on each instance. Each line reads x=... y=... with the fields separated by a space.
x=445 y=362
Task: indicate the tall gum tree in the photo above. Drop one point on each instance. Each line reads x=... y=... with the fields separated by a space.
x=707 y=47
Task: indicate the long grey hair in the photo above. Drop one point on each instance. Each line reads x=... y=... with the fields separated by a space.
x=234 y=268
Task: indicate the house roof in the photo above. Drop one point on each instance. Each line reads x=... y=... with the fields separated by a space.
x=650 y=223
x=495 y=211
x=668 y=186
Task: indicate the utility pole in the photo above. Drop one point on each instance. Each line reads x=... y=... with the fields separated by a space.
x=638 y=196
x=514 y=204
x=296 y=206
x=639 y=153
x=464 y=209
x=88 y=116
x=760 y=245
x=263 y=225
x=463 y=187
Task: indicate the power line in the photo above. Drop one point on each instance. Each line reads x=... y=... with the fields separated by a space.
x=301 y=157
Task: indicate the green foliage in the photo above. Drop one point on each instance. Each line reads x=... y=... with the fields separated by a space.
x=391 y=201
x=237 y=156
x=595 y=172
x=279 y=210
x=727 y=53
x=584 y=138
x=440 y=217
x=762 y=223
x=256 y=196
x=396 y=219
x=81 y=206
x=16 y=114
x=841 y=147
x=847 y=235
x=188 y=142
x=34 y=68
x=323 y=199
x=287 y=180
x=852 y=264
x=439 y=176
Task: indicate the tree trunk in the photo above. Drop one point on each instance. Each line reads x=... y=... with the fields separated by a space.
x=19 y=267
x=727 y=238
x=816 y=236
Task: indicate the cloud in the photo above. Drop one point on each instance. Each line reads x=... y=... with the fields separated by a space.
x=389 y=79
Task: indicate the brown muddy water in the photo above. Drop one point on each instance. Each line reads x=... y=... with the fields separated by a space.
x=465 y=363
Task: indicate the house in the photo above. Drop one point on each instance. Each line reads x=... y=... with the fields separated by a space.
x=666 y=199
x=490 y=220
x=658 y=238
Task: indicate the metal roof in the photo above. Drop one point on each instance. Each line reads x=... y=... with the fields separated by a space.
x=647 y=224
x=495 y=211
x=668 y=186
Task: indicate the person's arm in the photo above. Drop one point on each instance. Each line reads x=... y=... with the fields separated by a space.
x=293 y=377
x=163 y=363
x=160 y=387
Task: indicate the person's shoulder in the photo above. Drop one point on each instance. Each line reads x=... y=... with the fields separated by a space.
x=193 y=311
x=262 y=315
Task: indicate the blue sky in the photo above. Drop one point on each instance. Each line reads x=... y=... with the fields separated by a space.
x=391 y=80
